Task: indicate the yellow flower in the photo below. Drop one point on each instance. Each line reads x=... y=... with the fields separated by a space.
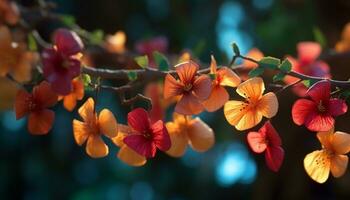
x=248 y=113
x=331 y=158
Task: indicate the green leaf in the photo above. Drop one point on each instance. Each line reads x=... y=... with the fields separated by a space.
x=236 y=49
x=212 y=76
x=96 y=37
x=346 y=94
x=286 y=65
x=278 y=77
x=142 y=61
x=32 y=45
x=269 y=62
x=308 y=83
x=68 y=20
x=161 y=61
x=319 y=37
x=132 y=75
x=256 y=72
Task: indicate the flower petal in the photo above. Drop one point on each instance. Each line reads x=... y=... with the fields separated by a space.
x=21 y=103
x=301 y=109
x=95 y=147
x=172 y=87
x=44 y=95
x=40 y=122
x=274 y=157
x=87 y=110
x=202 y=87
x=271 y=134
x=341 y=142
x=268 y=105
x=201 y=136
x=337 y=107
x=130 y=157
x=250 y=119
x=188 y=105
x=325 y=138
x=317 y=165
x=81 y=132
x=138 y=119
x=308 y=51
x=123 y=131
x=108 y=123
x=161 y=136
x=178 y=138
x=257 y=141
x=68 y=42
x=69 y=102
x=78 y=86
x=141 y=145
x=228 y=77
x=318 y=122
x=252 y=88
x=187 y=71
x=254 y=53
x=213 y=65
x=339 y=163
x=320 y=91
x=217 y=99
x=234 y=111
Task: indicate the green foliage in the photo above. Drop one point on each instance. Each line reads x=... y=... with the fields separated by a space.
x=235 y=49
x=32 y=45
x=286 y=66
x=142 y=61
x=212 y=76
x=278 y=77
x=68 y=20
x=96 y=37
x=269 y=62
x=86 y=78
x=319 y=37
x=256 y=72
x=161 y=61
x=132 y=75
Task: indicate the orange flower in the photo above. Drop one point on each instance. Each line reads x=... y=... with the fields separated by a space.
x=191 y=89
x=14 y=59
x=247 y=114
x=8 y=93
x=254 y=53
x=184 y=130
x=93 y=127
x=223 y=77
x=331 y=158
x=36 y=106
x=116 y=43
x=77 y=93
x=9 y=12
x=344 y=44
x=126 y=154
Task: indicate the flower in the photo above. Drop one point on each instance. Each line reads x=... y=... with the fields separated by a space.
x=191 y=89
x=146 y=136
x=255 y=54
x=331 y=158
x=8 y=93
x=125 y=153
x=248 y=113
x=92 y=129
x=60 y=64
x=116 y=43
x=148 y=46
x=267 y=140
x=344 y=44
x=307 y=63
x=36 y=106
x=184 y=130
x=222 y=77
x=77 y=93
x=318 y=113
x=9 y=12
x=14 y=58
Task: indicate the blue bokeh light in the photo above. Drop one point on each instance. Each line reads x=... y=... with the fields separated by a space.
x=262 y=5
x=10 y=123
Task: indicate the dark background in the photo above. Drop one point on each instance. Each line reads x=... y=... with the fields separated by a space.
x=54 y=167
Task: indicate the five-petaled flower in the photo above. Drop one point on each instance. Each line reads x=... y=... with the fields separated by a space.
x=318 y=113
x=248 y=113
x=77 y=93
x=36 y=106
x=222 y=77
x=191 y=89
x=267 y=140
x=146 y=136
x=93 y=127
x=60 y=63
x=308 y=64
x=331 y=158
x=184 y=131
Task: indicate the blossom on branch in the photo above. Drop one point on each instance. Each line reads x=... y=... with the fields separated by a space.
x=77 y=93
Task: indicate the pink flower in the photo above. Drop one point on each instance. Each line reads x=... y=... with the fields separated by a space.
x=147 y=47
x=60 y=65
x=146 y=136
x=318 y=113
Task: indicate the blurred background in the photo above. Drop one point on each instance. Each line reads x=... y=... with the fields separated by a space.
x=54 y=167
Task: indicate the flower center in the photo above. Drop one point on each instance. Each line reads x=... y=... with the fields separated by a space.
x=321 y=108
x=32 y=105
x=147 y=135
x=188 y=87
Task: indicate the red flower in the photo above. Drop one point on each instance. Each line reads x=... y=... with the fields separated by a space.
x=318 y=113
x=60 y=65
x=307 y=63
x=36 y=106
x=147 y=47
x=267 y=140
x=146 y=137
